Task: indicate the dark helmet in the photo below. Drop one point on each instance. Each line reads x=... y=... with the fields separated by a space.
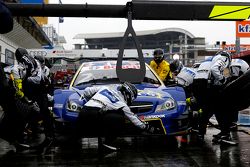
x=176 y=66
x=29 y=63
x=158 y=55
x=20 y=52
x=41 y=59
x=129 y=92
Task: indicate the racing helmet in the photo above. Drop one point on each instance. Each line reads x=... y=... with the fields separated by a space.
x=129 y=92
x=176 y=66
x=238 y=67
x=158 y=55
x=226 y=54
x=29 y=63
x=20 y=52
x=41 y=60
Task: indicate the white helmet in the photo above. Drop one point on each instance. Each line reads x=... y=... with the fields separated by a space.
x=223 y=55
x=238 y=67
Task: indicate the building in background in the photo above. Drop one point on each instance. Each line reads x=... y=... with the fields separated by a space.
x=56 y=39
x=50 y=31
x=172 y=40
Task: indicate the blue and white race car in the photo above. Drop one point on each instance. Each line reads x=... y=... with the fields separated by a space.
x=161 y=106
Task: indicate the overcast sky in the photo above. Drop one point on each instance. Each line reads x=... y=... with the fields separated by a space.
x=212 y=30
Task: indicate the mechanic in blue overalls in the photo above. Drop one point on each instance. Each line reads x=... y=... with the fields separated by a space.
x=207 y=87
x=110 y=98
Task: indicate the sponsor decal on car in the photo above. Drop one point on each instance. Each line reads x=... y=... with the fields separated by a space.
x=148 y=93
x=109 y=66
x=56 y=105
x=181 y=103
x=153 y=116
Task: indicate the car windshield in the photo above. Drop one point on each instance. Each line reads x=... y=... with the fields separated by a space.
x=104 y=72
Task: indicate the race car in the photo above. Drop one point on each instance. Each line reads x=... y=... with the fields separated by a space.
x=158 y=105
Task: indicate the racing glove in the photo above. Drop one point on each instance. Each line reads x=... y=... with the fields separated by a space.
x=50 y=98
x=223 y=80
x=149 y=129
x=35 y=107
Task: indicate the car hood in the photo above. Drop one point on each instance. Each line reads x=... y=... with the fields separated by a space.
x=146 y=92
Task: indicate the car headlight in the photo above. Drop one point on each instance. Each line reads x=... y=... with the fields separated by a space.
x=167 y=105
x=73 y=106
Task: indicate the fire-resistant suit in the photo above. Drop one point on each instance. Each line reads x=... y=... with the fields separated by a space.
x=109 y=99
x=233 y=97
x=207 y=86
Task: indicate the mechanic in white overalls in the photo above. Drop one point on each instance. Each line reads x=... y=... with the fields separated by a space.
x=207 y=86
x=110 y=98
x=237 y=68
x=184 y=76
x=33 y=88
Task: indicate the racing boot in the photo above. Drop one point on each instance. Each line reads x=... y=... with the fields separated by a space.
x=233 y=127
x=45 y=145
x=20 y=145
x=217 y=135
x=105 y=147
x=149 y=129
x=223 y=138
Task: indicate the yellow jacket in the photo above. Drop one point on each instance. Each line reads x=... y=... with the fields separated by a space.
x=162 y=69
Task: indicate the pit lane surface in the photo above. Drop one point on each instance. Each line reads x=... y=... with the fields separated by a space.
x=140 y=151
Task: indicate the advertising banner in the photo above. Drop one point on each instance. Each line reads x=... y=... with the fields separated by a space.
x=231 y=47
x=243 y=28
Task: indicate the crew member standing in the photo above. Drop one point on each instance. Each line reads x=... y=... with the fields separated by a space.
x=161 y=66
x=208 y=85
x=228 y=116
x=33 y=89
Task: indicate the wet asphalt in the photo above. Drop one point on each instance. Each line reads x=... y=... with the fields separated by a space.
x=135 y=151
